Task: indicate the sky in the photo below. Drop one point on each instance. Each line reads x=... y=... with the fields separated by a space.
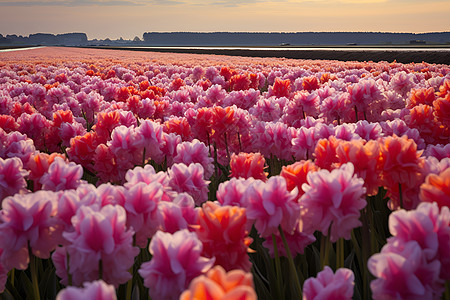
x=114 y=19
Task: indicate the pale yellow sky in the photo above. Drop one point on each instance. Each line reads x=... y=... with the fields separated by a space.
x=130 y=18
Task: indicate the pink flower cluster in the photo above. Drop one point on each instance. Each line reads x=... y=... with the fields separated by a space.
x=330 y=286
x=304 y=142
x=414 y=263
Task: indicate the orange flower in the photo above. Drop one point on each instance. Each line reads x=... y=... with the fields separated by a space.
x=179 y=126
x=82 y=148
x=281 y=88
x=422 y=96
x=217 y=284
x=295 y=174
x=442 y=109
x=364 y=156
x=222 y=230
x=436 y=188
x=444 y=89
x=248 y=165
x=400 y=164
x=310 y=83
x=325 y=153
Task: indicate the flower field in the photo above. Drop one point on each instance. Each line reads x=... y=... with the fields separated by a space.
x=133 y=175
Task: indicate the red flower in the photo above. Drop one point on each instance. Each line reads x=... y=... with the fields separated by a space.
x=281 y=88
x=248 y=165
x=311 y=83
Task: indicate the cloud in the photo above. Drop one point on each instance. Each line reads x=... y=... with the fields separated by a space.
x=74 y=3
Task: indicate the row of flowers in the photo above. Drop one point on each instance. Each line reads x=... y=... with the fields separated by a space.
x=241 y=179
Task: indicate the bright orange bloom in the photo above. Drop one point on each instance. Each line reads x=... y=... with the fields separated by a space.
x=62 y=116
x=240 y=82
x=436 y=188
x=325 y=153
x=422 y=96
x=248 y=165
x=179 y=126
x=364 y=156
x=281 y=88
x=106 y=122
x=442 y=109
x=295 y=174
x=444 y=89
x=222 y=230
x=310 y=83
x=400 y=160
x=82 y=148
x=217 y=284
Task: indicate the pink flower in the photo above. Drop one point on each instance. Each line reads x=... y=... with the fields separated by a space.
x=99 y=235
x=363 y=93
x=231 y=192
x=62 y=176
x=336 y=107
x=141 y=202
x=402 y=82
x=402 y=273
x=273 y=139
x=309 y=102
x=327 y=285
x=148 y=175
x=18 y=145
x=189 y=179
x=195 y=152
x=96 y=290
x=333 y=199
x=149 y=137
x=222 y=230
x=12 y=175
x=176 y=260
x=429 y=227
x=218 y=284
x=27 y=220
x=169 y=147
x=303 y=143
x=270 y=205
x=125 y=146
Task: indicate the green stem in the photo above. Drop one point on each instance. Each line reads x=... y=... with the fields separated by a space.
x=400 y=194
x=325 y=251
x=447 y=290
x=12 y=276
x=129 y=287
x=278 y=269
x=100 y=269
x=34 y=276
x=226 y=145
x=340 y=253
x=291 y=262
x=69 y=276
x=239 y=139
x=356 y=114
